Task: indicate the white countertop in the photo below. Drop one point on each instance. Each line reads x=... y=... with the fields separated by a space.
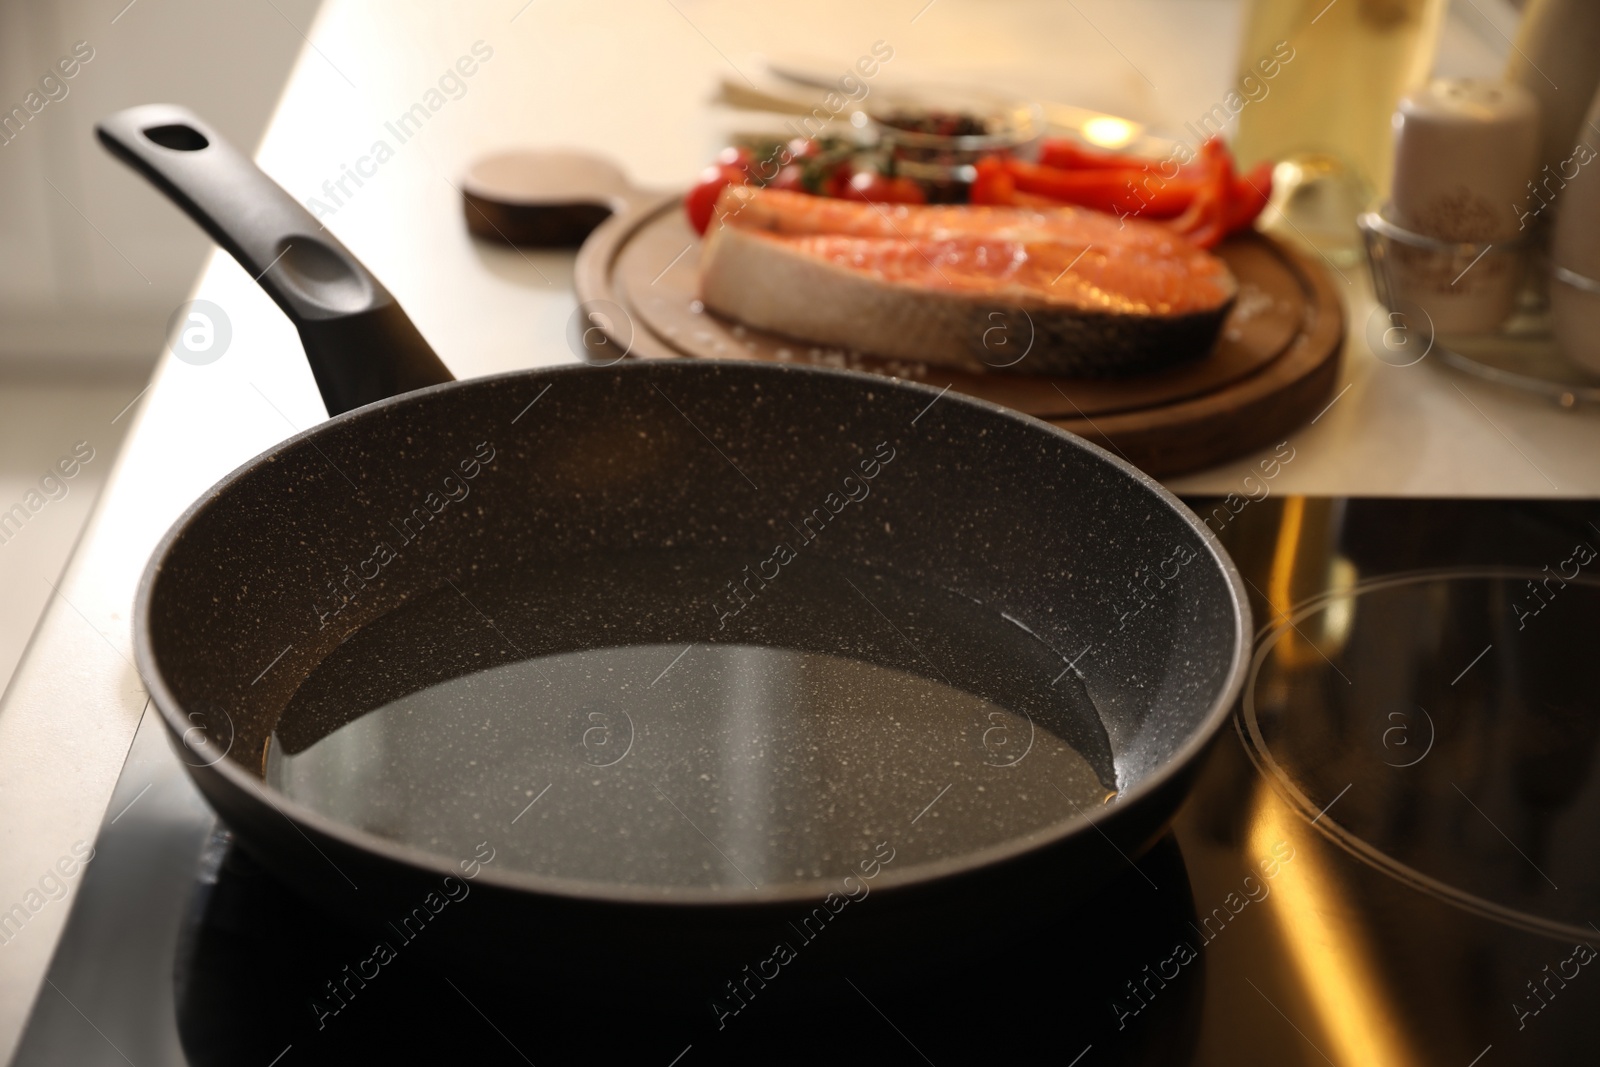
x=630 y=81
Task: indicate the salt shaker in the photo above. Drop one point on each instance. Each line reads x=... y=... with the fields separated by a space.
x=1575 y=249
x=1465 y=150
x=1557 y=58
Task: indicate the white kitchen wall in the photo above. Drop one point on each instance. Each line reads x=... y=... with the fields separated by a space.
x=91 y=261
x=84 y=298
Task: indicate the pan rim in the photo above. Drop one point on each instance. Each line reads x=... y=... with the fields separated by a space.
x=535 y=886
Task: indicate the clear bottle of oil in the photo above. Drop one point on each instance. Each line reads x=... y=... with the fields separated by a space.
x=1326 y=120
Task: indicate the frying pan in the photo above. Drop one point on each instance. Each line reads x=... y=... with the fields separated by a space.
x=434 y=530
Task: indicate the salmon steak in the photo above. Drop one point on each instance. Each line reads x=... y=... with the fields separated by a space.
x=1057 y=290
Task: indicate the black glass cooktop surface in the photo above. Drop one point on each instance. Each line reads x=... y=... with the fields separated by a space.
x=1391 y=858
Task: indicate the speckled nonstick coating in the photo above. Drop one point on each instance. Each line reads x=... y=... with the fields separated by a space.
x=235 y=611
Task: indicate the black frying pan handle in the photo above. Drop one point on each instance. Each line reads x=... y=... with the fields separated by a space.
x=361 y=345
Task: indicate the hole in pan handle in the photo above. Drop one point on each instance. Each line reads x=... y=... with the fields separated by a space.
x=361 y=345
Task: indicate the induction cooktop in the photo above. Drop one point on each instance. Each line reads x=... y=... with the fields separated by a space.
x=1391 y=858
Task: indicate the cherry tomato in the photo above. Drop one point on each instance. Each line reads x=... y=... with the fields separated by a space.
x=699 y=202
x=803 y=148
x=906 y=191
x=791 y=177
x=874 y=187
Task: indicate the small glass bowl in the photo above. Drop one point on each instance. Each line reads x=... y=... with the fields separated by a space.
x=944 y=163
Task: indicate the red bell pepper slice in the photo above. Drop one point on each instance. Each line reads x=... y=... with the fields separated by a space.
x=1069 y=155
x=1251 y=192
x=993 y=184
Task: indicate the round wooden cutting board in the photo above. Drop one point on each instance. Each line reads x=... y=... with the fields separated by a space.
x=1273 y=368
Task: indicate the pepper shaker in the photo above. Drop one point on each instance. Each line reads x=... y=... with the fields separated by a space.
x=1464 y=152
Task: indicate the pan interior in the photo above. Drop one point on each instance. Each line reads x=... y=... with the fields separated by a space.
x=694 y=718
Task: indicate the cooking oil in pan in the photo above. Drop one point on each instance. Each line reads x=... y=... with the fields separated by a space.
x=641 y=720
